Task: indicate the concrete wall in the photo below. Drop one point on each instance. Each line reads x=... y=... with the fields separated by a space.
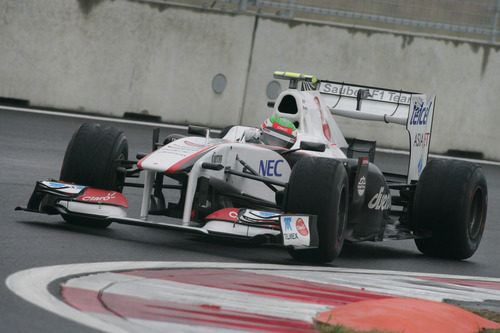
x=464 y=76
x=117 y=56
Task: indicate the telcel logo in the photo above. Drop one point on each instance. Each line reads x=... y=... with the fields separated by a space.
x=269 y=168
x=420 y=114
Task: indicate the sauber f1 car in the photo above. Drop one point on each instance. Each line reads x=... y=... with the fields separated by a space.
x=295 y=181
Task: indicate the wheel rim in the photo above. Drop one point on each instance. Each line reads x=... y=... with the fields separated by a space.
x=341 y=215
x=476 y=215
x=120 y=179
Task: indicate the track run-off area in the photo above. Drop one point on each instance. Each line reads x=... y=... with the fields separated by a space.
x=201 y=297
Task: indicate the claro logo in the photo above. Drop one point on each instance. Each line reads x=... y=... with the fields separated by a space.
x=380 y=201
x=107 y=197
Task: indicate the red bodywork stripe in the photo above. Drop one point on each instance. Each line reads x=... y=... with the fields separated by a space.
x=225 y=214
x=179 y=164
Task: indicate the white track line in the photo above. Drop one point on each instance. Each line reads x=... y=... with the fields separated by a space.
x=85 y=116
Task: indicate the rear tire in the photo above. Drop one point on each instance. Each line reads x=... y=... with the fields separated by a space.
x=451 y=200
x=91 y=160
x=319 y=186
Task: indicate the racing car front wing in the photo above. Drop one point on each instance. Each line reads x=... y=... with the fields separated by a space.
x=298 y=231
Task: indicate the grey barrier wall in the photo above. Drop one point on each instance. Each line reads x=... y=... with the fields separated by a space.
x=121 y=56
x=113 y=57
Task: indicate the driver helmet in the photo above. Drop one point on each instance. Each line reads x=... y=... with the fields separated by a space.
x=277 y=131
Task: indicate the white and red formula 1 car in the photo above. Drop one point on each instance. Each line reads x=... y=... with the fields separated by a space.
x=294 y=181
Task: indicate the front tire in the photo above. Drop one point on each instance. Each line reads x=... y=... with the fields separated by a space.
x=91 y=160
x=451 y=200
x=319 y=186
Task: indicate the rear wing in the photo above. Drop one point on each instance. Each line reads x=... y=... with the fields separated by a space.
x=413 y=110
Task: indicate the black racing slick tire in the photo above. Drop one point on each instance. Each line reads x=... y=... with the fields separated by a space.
x=91 y=160
x=319 y=186
x=450 y=202
x=91 y=156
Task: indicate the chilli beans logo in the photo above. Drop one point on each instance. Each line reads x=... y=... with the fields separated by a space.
x=301 y=227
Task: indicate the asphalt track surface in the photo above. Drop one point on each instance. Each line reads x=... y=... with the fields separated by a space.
x=32 y=147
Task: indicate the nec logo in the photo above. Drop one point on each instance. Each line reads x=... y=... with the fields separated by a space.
x=270 y=168
x=420 y=114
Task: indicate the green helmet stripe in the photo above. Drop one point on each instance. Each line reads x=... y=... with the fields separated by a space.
x=282 y=121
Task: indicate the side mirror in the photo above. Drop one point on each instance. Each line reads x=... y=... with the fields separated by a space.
x=313 y=146
x=198 y=130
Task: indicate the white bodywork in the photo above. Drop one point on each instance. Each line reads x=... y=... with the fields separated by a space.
x=315 y=121
x=173 y=157
x=311 y=110
x=316 y=125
